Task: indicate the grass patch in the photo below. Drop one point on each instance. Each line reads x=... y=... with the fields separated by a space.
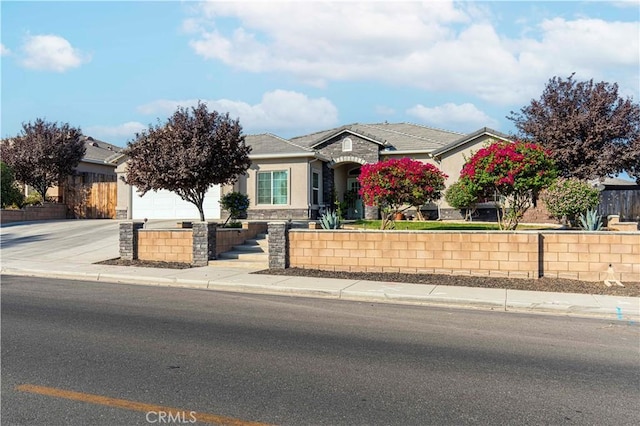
x=432 y=225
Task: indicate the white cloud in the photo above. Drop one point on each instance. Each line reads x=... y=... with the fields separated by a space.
x=277 y=111
x=439 y=46
x=463 y=117
x=51 y=53
x=122 y=131
x=4 y=50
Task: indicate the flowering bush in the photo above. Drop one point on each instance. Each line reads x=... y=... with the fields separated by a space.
x=566 y=199
x=516 y=171
x=236 y=204
x=398 y=184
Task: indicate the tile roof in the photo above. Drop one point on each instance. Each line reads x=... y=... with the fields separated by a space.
x=98 y=151
x=396 y=136
x=269 y=144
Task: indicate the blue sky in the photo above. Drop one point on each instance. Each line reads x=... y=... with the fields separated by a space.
x=291 y=68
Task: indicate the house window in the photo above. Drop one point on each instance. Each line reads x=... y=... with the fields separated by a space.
x=273 y=187
x=315 y=188
x=347 y=144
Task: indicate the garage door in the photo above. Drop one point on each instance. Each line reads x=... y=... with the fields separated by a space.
x=167 y=205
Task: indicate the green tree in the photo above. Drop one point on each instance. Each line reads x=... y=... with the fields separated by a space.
x=396 y=185
x=194 y=150
x=516 y=171
x=43 y=153
x=460 y=196
x=10 y=193
x=566 y=199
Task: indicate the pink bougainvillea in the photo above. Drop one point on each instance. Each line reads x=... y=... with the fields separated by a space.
x=516 y=171
x=399 y=183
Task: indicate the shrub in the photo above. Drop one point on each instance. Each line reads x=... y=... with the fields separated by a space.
x=461 y=196
x=236 y=203
x=566 y=199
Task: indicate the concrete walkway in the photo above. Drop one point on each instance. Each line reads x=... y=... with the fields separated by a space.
x=68 y=249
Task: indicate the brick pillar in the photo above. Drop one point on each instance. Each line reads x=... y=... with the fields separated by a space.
x=129 y=240
x=204 y=243
x=278 y=245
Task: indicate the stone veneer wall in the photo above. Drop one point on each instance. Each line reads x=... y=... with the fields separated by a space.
x=519 y=254
x=268 y=214
x=48 y=211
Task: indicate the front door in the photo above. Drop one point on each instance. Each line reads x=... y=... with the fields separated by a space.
x=355 y=206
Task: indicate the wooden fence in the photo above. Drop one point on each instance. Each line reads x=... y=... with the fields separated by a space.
x=623 y=202
x=92 y=201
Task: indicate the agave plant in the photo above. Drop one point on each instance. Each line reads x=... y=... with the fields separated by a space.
x=330 y=220
x=590 y=220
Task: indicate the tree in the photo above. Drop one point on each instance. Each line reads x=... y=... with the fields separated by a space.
x=515 y=171
x=10 y=193
x=43 y=153
x=566 y=199
x=236 y=203
x=590 y=131
x=194 y=150
x=398 y=184
x=460 y=195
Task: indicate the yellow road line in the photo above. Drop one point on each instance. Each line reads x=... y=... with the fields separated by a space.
x=136 y=406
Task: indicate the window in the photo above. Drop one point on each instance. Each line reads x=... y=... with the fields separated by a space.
x=315 y=187
x=273 y=187
x=347 y=144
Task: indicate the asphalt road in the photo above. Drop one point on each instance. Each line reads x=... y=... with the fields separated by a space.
x=301 y=361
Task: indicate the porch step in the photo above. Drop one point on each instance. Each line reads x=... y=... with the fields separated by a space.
x=253 y=254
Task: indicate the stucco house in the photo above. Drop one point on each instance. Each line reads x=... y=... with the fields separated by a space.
x=302 y=176
x=299 y=178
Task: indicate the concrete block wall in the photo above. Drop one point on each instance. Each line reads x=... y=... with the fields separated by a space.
x=464 y=253
x=175 y=245
x=49 y=211
x=586 y=256
x=228 y=237
x=519 y=254
x=197 y=245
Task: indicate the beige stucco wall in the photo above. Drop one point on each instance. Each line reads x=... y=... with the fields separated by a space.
x=298 y=169
x=123 y=203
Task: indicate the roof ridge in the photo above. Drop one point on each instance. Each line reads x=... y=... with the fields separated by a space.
x=407 y=134
x=433 y=128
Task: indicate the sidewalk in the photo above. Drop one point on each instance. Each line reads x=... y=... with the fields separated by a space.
x=241 y=280
x=69 y=249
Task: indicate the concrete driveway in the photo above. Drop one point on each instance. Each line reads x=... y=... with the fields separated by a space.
x=61 y=241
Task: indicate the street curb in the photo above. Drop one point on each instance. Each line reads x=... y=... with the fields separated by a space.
x=353 y=296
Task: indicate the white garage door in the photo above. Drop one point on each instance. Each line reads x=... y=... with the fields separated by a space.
x=168 y=205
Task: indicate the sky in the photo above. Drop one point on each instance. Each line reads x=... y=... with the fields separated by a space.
x=295 y=67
